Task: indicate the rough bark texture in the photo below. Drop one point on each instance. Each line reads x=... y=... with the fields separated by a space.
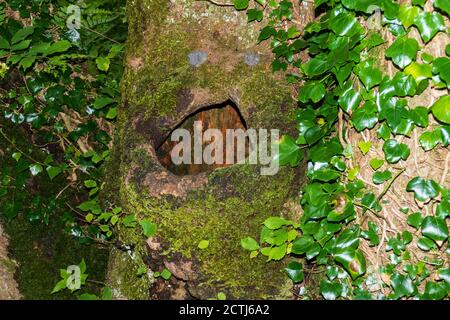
x=160 y=88
x=8 y=286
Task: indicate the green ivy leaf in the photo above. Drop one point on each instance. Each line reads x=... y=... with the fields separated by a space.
x=241 y=4
x=368 y=74
x=295 y=271
x=441 y=109
x=302 y=244
x=313 y=90
x=35 y=169
x=403 y=51
x=353 y=262
x=331 y=290
x=345 y=24
x=444 y=5
x=415 y=220
x=381 y=177
x=365 y=117
x=435 y=228
x=423 y=189
x=394 y=151
x=430 y=139
x=434 y=291
x=403 y=286
x=441 y=66
x=349 y=99
x=53 y=172
x=419 y=115
x=371 y=234
x=429 y=23
x=426 y=244
x=364 y=146
x=407 y=14
x=289 y=152
x=317 y=65
x=419 y=71
x=376 y=163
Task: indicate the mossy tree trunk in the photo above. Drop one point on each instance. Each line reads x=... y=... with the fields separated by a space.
x=181 y=57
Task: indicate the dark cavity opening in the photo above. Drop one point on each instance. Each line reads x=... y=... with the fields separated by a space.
x=221 y=116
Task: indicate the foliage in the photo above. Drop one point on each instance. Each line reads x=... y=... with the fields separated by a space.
x=341 y=86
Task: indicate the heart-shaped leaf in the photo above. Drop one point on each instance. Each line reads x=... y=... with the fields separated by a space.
x=423 y=189
x=403 y=51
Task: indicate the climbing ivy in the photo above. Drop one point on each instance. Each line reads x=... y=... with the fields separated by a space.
x=342 y=87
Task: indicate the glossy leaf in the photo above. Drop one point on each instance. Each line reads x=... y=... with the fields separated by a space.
x=423 y=189
x=403 y=51
x=429 y=23
x=394 y=151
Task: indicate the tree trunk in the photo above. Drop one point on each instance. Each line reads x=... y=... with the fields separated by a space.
x=184 y=57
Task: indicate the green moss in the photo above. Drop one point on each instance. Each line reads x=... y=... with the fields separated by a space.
x=40 y=249
x=123 y=276
x=215 y=214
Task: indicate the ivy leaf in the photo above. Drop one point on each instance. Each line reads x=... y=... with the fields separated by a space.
x=381 y=177
x=349 y=99
x=441 y=66
x=408 y=14
x=353 y=262
x=423 y=189
x=371 y=234
x=317 y=65
x=302 y=244
x=364 y=146
x=53 y=172
x=441 y=109
x=345 y=24
x=148 y=227
x=429 y=23
x=324 y=151
x=415 y=220
x=435 y=291
x=435 y=228
x=395 y=151
x=35 y=169
x=403 y=51
x=444 y=5
x=403 y=286
x=331 y=290
x=426 y=244
x=368 y=74
x=419 y=71
x=365 y=117
x=295 y=271
x=430 y=139
x=367 y=6
x=376 y=163
x=313 y=90
x=241 y=4
x=289 y=152
x=419 y=115
x=277 y=253
x=249 y=244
